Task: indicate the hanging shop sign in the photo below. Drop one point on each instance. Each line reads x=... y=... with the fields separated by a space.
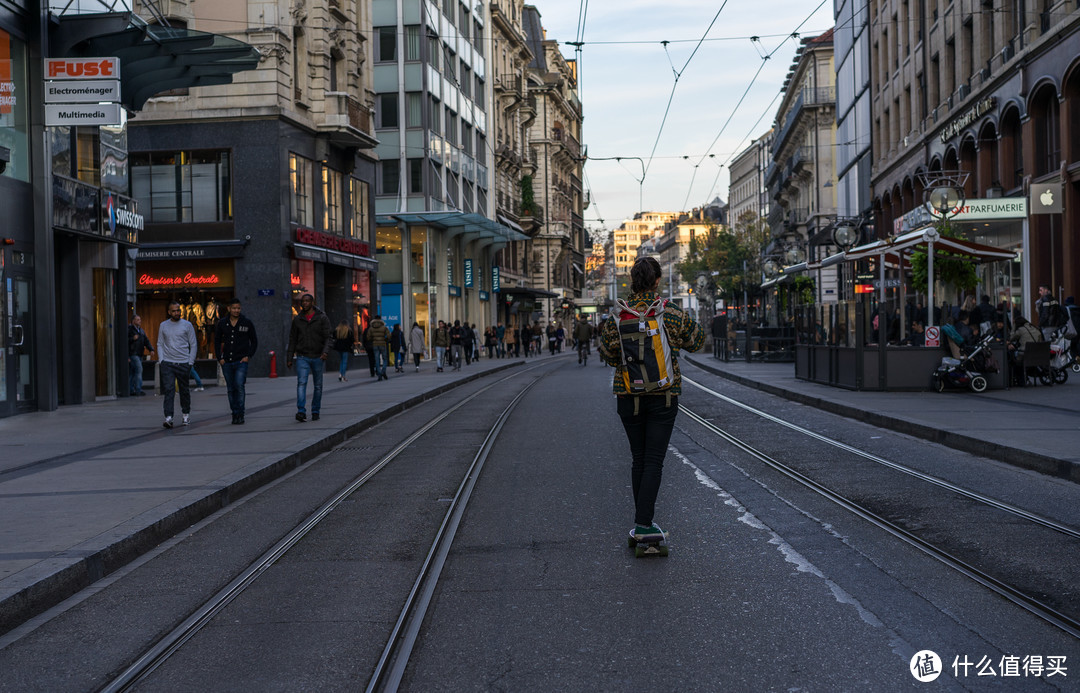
x=82 y=91
x=453 y=290
x=1046 y=198
x=468 y=273
x=495 y=279
x=484 y=296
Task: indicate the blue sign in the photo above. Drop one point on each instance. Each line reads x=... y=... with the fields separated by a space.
x=483 y=295
x=468 y=273
x=495 y=279
x=266 y=292
x=390 y=310
x=454 y=290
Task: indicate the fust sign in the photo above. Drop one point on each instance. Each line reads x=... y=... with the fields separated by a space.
x=82 y=68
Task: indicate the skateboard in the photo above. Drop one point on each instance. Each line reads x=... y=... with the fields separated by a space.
x=651 y=545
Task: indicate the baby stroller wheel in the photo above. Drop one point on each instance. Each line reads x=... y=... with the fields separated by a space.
x=1045 y=377
x=1061 y=375
x=978 y=384
x=1076 y=367
x=938 y=383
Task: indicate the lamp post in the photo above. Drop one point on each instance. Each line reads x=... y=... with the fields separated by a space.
x=944 y=193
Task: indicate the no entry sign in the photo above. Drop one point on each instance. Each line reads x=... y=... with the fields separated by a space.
x=933 y=336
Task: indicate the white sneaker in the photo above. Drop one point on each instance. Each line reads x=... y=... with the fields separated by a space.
x=198 y=389
x=168 y=422
x=186 y=419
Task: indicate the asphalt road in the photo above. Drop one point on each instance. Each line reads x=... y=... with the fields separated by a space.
x=768 y=587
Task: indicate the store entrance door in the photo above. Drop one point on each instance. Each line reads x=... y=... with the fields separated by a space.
x=17 y=385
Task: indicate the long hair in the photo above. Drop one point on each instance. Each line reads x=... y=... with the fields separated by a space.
x=643 y=274
x=342 y=331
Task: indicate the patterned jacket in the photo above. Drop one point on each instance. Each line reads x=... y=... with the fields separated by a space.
x=683 y=333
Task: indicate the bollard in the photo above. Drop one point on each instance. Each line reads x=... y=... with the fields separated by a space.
x=273 y=365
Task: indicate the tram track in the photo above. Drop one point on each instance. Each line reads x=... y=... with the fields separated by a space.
x=982 y=575
x=395 y=656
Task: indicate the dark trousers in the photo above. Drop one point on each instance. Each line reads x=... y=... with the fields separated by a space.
x=648 y=431
x=174 y=376
x=235 y=374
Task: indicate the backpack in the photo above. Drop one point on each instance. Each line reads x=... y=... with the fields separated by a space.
x=646 y=354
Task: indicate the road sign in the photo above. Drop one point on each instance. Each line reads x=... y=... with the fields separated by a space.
x=933 y=336
x=90 y=91
x=85 y=114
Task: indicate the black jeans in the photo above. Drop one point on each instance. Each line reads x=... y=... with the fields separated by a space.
x=648 y=432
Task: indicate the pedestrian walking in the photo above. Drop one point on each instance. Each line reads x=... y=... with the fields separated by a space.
x=344 y=339
x=235 y=343
x=177 y=346
x=397 y=346
x=457 y=340
x=560 y=337
x=510 y=343
x=491 y=342
x=309 y=343
x=477 y=344
x=442 y=343
x=138 y=345
x=1051 y=314
x=551 y=338
x=365 y=341
x=537 y=337
x=525 y=335
x=648 y=419
x=500 y=339
x=416 y=344
x=379 y=334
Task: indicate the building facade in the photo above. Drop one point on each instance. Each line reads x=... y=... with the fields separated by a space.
x=261 y=190
x=557 y=261
x=988 y=94
x=747 y=193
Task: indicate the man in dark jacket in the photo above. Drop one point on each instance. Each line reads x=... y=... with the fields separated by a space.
x=235 y=343
x=310 y=338
x=379 y=335
x=1051 y=314
x=138 y=345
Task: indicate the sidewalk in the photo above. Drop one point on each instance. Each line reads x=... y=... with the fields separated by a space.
x=1034 y=427
x=86 y=489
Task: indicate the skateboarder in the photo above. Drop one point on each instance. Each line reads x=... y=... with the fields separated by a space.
x=649 y=418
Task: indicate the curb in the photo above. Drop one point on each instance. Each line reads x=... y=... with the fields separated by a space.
x=104 y=554
x=1025 y=459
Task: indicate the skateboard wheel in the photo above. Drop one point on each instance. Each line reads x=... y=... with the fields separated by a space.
x=663 y=550
x=631 y=542
x=639 y=551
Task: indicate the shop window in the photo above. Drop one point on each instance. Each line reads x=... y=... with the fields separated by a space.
x=300 y=182
x=186 y=186
x=417 y=252
x=14 y=106
x=388 y=252
x=359 y=196
x=331 y=199
x=87 y=144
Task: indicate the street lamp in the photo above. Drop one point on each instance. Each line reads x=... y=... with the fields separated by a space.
x=944 y=192
x=846 y=233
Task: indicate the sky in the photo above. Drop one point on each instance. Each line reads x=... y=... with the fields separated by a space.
x=717 y=107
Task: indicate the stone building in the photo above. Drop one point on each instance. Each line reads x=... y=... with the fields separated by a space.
x=989 y=92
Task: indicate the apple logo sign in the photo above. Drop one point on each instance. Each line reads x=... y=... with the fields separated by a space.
x=1047 y=198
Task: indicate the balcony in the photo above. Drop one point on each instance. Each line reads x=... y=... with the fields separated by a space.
x=568 y=141
x=807 y=98
x=346 y=121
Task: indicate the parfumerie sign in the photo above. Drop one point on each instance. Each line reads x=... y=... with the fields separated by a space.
x=82 y=91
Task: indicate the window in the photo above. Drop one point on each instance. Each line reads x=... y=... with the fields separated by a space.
x=387 y=43
x=300 y=63
x=188 y=186
x=359 y=200
x=434 y=52
x=14 y=106
x=331 y=199
x=389 y=177
x=412 y=42
x=388 y=110
x=416 y=176
x=301 y=180
x=414 y=109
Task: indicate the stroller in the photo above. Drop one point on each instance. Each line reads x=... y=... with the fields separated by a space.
x=1061 y=357
x=969 y=370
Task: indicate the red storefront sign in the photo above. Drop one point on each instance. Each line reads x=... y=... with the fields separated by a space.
x=331 y=242
x=81 y=68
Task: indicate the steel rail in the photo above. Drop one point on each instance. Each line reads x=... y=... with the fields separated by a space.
x=155 y=656
x=395 y=657
x=1026 y=602
x=929 y=478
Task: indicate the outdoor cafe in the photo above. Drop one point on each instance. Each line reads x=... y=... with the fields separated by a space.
x=859 y=342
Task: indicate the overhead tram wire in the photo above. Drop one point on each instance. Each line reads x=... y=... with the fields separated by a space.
x=678 y=74
x=764 y=60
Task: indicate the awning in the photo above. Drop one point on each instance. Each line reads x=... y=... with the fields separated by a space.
x=527 y=291
x=473 y=226
x=156 y=58
x=511 y=224
x=919 y=239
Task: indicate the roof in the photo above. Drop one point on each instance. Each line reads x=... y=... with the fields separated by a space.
x=534 y=34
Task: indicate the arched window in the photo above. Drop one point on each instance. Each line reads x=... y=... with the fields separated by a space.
x=1047 y=130
x=1072 y=112
x=1012 y=150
